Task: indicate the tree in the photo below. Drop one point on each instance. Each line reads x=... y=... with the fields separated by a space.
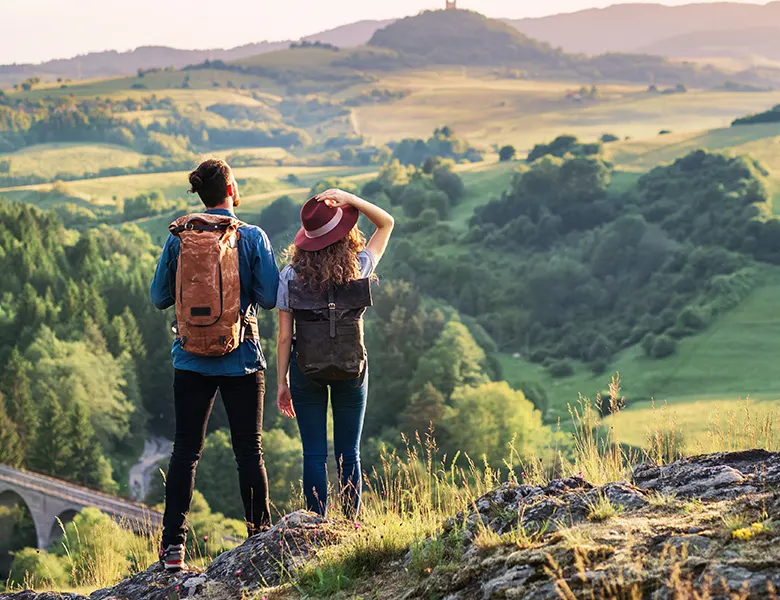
x=217 y=480
x=449 y=182
x=333 y=182
x=455 y=360
x=485 y=419
x=51 y=453
x=425 y=407
x=279 y=216
x=282 y=456
x=22 y=410
x=87 y=466
x=507 y=153
x=11 y=449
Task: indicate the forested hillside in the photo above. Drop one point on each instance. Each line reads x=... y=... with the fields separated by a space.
x=562 y=269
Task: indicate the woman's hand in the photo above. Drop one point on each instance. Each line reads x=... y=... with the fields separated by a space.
x=335 y=198
x=284 y=401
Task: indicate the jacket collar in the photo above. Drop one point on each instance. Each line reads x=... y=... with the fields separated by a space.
x=220 y=211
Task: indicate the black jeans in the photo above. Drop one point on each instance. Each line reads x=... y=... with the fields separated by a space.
x=194 y=396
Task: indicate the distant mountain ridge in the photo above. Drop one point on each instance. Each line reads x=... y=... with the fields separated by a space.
x=644 y=27
x=350 y=35
x=112 y=63
x=710 y=30
x=753 y=42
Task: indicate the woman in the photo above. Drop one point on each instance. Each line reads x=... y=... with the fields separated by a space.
x=324 y=292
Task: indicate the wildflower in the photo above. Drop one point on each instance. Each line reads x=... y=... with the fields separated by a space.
x=522 y=475
x=427 y=569
x=238 y=573
x=580 y=475
x=205 y=538
x=357 y=525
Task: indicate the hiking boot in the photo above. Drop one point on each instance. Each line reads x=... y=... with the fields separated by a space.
x=172 y=557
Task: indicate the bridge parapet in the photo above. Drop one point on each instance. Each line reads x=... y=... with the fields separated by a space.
x=47 y=498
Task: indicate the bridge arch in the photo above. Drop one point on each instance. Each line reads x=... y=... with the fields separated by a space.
x=60 y=521
x=25 y=537
x=47 y=499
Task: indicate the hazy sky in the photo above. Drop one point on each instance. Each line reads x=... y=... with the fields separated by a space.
x=37 y=30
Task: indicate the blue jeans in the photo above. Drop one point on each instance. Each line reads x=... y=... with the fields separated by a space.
x=348 y=403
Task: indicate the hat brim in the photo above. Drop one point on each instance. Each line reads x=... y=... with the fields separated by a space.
x=348 y=221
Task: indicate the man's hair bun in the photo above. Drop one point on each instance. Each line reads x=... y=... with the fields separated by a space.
x=195 y=182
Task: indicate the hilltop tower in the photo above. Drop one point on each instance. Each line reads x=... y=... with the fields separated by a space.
x=452 y=5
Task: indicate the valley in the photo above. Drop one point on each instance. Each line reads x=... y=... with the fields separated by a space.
x=561 y=219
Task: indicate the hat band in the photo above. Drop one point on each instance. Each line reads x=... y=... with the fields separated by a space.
x=327 y=228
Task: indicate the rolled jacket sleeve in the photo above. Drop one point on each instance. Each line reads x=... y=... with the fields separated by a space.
x=160 y=291
x=265 y=280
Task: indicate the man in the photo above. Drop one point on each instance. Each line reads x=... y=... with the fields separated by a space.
x=217 y=270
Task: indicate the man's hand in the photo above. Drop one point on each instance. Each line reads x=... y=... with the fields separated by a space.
x=335 y=198
x=284 y=401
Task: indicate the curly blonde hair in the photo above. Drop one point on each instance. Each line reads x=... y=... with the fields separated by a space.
x=333 y=265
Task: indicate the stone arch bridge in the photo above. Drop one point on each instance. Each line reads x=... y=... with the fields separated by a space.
x=49 y=499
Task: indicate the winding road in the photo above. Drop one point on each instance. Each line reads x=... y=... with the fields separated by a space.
x=155 y=450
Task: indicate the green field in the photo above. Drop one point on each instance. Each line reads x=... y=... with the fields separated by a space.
x=761 y=142
x=491 y=110
x=101 y=191
x=50 y=160
x=213 y=82
x=735 y=358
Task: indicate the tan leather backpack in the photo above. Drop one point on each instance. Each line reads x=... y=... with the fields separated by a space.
x=208 y=288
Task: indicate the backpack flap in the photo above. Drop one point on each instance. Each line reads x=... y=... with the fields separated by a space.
x=353 y=295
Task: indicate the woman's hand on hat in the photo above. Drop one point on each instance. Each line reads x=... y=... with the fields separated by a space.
x=335 y=198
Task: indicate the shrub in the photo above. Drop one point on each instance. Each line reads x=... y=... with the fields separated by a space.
x=608 y=138
x=33 y=568
x=280 y=215
x=507 y=153
x=647 y=343
x=333 y=182
x=664 y=346
x=693 y=319
x=561 y=368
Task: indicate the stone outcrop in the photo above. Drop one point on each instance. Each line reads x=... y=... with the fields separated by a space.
x=261 y=561
x=707 y=525
x=671 y=534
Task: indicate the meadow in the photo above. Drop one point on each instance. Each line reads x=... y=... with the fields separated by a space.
x=72 y=160
x=487 y=108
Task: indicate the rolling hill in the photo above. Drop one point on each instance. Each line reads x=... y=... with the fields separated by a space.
x=111 y=63
x=98 y=65
x=462 y=38
x=642 y=27
x=351 y=35
x=749 y=43
x=469 y=39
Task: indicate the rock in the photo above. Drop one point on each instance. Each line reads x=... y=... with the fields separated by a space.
x=258 y=562
x=563 y=502
x=30 y=595
x=511 y=579
x=261 y=559
x=694 y=543
x=719 y=476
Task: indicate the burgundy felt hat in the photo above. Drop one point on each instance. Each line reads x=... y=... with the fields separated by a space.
x=324 y=225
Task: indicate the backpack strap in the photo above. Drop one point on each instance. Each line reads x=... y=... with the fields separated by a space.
x=332 y=312
x=202 y=222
